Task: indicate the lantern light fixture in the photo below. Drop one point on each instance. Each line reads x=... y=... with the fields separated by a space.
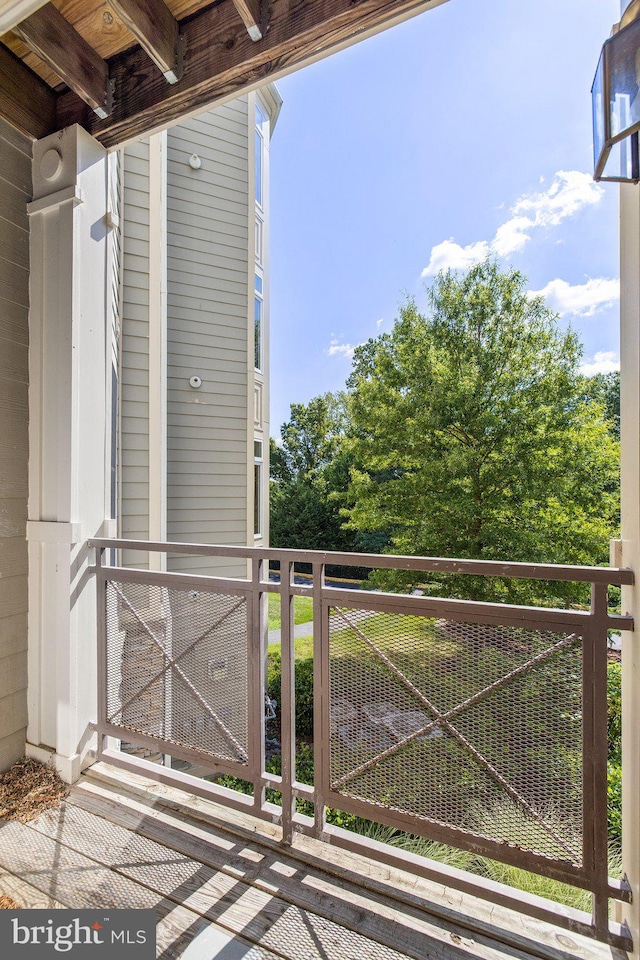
x=615 y=97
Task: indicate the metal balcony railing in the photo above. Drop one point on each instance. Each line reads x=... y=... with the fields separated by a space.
x=428 y=714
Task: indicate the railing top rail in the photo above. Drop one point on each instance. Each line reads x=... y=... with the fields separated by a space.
x=492 y=568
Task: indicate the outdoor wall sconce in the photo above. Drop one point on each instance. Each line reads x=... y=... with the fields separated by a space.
x=615 y=96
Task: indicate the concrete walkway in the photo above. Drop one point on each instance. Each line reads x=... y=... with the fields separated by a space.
x=300 y=630
x=306 y=629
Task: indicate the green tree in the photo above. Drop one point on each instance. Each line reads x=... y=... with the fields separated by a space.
x=310 y=477
x=604 y=388
x=311 y=439
x=474 y=437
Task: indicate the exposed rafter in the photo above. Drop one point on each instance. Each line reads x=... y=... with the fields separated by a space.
x=54 y=40
x=25 y=100
x=221 y=60
x=156 y=30
x=253 y=17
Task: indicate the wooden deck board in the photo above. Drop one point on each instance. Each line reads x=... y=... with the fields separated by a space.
x=39 y=871
x=29 y=897
x=221 y=883
x=181 y=929
x=64 y=874
x=308 y=922
x=310 y=888
x=473 y=915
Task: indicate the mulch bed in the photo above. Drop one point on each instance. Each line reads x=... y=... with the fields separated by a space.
x=6 y=903
x=29 y=788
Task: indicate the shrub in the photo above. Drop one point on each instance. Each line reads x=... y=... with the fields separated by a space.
x=303 y=691
x=614 y=710
x=488 y=820
x=614 y=736
x=614 y=798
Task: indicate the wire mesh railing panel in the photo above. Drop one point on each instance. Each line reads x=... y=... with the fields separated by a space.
x=490 y=737
x=177 y=667
x=472 y=726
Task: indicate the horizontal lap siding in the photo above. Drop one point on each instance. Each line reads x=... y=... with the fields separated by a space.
x=207 y=224
x=15 y=192
x=134 y=367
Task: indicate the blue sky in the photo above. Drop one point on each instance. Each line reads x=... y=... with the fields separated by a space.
x=464 y=132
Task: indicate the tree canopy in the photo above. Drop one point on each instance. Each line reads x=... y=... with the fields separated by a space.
x=473 y=434
x=605 y=389
x=310 y=476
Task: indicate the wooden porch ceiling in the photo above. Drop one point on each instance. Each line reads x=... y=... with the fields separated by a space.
x=120 y=68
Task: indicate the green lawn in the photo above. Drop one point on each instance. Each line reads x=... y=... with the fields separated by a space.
x=303 y=610
x=303 y=647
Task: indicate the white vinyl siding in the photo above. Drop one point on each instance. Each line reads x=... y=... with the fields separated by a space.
x=207 y=254
x=134 y=367
x=15 y=193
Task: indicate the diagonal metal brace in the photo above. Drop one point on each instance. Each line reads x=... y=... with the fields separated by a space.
x=183 y=653
x=239 y=749
x=442 y=720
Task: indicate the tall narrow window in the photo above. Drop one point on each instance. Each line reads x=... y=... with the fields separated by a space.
x=258 y=307
x=262 y=122
x=257 y=487
x=259 y=165
x=259 y=235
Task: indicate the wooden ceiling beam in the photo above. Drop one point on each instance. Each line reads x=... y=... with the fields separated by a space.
x=54 y=40
x=156 y=30
x=221 y=60
x=25 y=100
x=253 y=17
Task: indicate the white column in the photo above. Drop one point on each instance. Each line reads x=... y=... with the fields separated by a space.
x=630 y=477
x=69 y=434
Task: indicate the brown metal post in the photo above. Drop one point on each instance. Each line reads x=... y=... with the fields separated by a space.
x=256 y=656
x=287 y=696
x=101 y=600
x=320 y=701
x=598 y=662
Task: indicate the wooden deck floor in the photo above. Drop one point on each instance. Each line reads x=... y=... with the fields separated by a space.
x=222 y=888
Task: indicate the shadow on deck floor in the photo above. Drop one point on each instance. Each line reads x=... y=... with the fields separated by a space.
x=223 y=889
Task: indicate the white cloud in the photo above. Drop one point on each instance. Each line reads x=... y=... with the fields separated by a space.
x=449 y=255
x=580 y=300
x=604 y=361
x=337 y=349
x=569 y=192
x=511 y=236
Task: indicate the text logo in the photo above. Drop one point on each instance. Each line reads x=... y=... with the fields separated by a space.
x=80 y=934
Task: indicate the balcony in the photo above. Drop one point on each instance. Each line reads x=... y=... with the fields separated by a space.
x=427 y=714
